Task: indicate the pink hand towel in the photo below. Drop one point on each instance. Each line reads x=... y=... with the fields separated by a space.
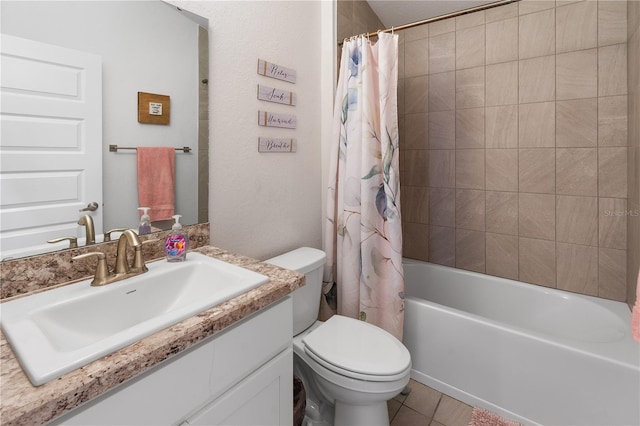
x=635 y=314
x=156 y=181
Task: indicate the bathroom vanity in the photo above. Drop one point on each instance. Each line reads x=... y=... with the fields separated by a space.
x=219 y=366
x=242 y=375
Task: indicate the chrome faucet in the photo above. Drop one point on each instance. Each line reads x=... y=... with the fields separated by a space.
x=123 y=269
x=90 y=232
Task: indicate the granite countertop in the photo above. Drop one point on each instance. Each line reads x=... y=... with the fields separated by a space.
x=24 y=404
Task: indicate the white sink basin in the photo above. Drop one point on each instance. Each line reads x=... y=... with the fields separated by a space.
x=57 y=331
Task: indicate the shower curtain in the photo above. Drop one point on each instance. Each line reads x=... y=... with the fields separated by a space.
x=363 y=276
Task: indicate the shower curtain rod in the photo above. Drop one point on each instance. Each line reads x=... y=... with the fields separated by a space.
x=436 y=18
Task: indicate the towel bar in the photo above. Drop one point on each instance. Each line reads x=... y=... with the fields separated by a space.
x=115 y=148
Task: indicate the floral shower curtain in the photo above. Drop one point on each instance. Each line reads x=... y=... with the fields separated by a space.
x=363 y=276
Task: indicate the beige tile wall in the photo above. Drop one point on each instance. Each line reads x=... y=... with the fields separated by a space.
x=514 y=144
x=355 y=17
x=633 y=157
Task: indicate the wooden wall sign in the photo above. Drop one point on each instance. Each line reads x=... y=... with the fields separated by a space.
x=153 y=109
x=277 y=145
x=276 y=71
x=271 y=94
x=269 y=119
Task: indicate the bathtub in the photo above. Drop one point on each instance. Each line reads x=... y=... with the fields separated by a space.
x=532 y=354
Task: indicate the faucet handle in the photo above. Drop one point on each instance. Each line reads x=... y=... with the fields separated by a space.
x=73 y=241
x=107 y=235
x=102 y=275
x=138 y=265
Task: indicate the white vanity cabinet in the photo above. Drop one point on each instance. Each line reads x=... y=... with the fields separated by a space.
x=240 y=376
x=257 y=400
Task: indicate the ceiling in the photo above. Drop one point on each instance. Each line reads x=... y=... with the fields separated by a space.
x=394 y=13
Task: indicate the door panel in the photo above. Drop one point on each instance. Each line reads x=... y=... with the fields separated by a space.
x=51 y=141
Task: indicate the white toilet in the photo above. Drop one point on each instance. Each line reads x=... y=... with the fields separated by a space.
x=349 y=368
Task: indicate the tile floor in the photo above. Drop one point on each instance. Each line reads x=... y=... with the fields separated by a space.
x=425 y=406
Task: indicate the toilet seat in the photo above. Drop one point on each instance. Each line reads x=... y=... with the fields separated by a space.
x=358 y=350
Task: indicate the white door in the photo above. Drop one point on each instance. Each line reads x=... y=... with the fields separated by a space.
x=50 y=143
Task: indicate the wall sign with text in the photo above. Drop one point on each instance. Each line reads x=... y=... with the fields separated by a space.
x=153 y=108
x=276 y=71
x=270 y=94
x=279 y=96
x=269 y=119
x=277 y=145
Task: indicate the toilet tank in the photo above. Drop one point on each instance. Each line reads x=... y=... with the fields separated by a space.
x=306 y=300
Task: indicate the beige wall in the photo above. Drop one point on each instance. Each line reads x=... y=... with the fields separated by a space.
x=633 y=221
x=264 y=204
x=514 y=144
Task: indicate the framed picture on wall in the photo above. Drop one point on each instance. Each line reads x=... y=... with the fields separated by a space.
x=153 y=108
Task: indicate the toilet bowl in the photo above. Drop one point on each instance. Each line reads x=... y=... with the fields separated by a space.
x=349 y=368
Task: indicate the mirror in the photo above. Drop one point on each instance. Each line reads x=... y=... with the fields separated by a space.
x=145 y=46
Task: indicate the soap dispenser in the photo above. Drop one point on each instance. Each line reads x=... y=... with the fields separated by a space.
x=177 y=242
x=145 y=222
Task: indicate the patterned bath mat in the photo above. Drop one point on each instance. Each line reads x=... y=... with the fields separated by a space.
x=482 y=417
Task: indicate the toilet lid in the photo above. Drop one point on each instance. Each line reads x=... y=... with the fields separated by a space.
x=356 y=346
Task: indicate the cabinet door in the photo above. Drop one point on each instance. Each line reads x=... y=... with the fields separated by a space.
x=160 y=396
x=245 y=347
x=264 y=398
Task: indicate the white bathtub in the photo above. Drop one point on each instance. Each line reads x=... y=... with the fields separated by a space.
x=529 y=353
